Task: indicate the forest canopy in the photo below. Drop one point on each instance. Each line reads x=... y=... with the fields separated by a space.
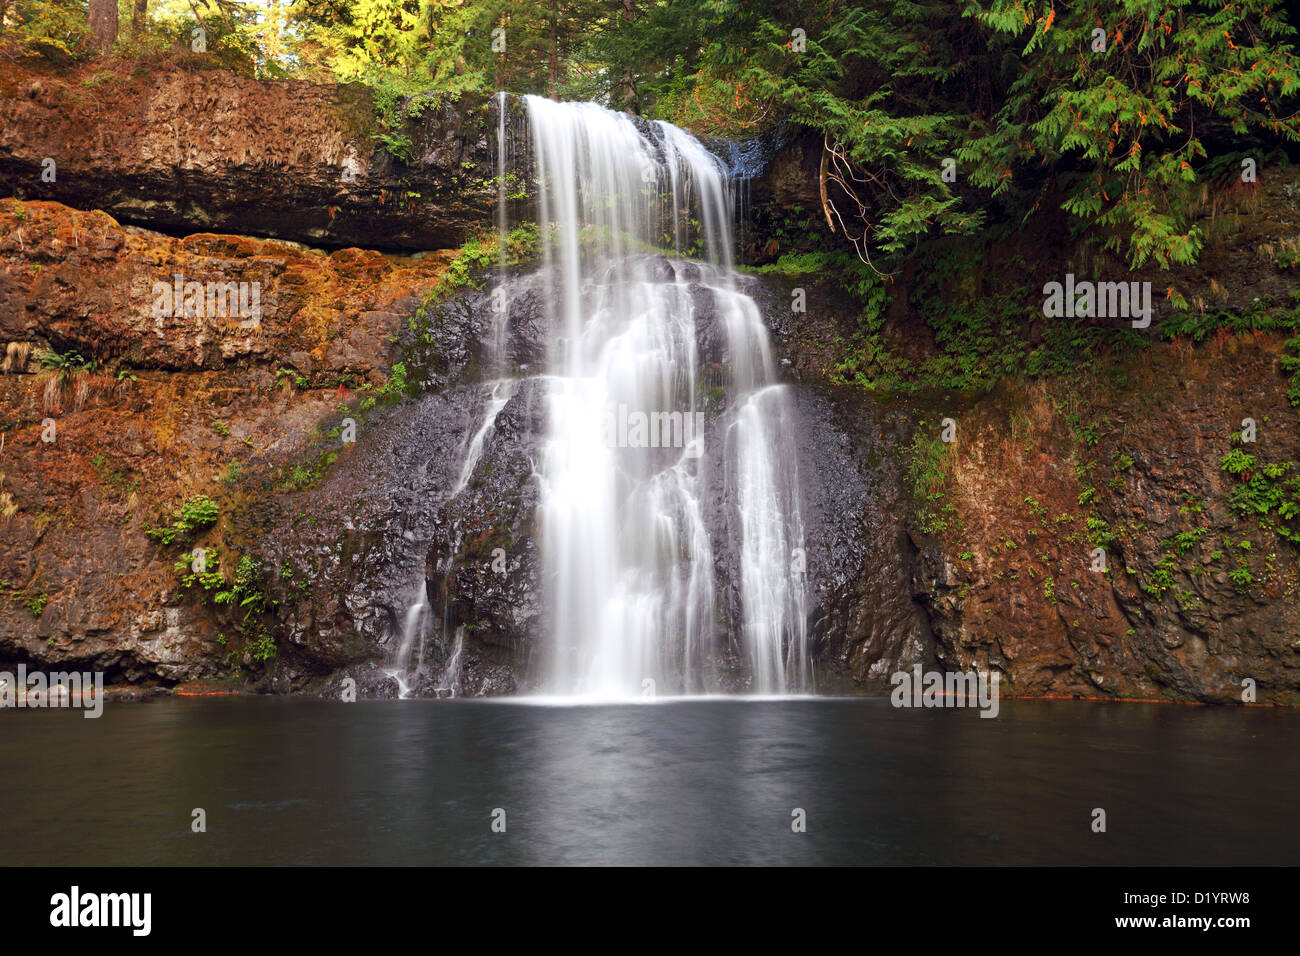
x=931 y=111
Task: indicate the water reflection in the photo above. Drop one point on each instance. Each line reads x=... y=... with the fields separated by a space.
x=685 y=781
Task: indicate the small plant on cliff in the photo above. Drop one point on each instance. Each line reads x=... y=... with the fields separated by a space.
x=1162 y=577
x=398 y=145
x=521 y=243
x=1184 y=541
x=1241 y=577
x=395 y=387
x=245 y=593
x=65 y=372
x=1238 y=463
x=36 y=604
x=284 y=376
x=1269 y=492
x=472 y=259
x=210 y=578
x=261 y=647
x=66 y=364
x=1098 y=531
x=198 y=512
x=299 y=478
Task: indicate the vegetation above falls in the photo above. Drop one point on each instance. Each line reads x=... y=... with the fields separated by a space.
x=938 y=118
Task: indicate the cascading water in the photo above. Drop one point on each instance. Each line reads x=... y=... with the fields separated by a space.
x=628 y=553
x=497 y=346
x=399 y=664
x=502 y=391
x=451 y=673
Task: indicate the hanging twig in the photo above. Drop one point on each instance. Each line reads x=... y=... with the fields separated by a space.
x=844 y=168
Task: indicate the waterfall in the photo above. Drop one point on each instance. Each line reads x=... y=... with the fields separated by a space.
x=628 y=554
x=451 y=673
x=497 y=347
x=502 y=391
x=399 y=664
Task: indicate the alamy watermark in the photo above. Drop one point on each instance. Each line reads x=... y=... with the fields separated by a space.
x=952 y=689
x=1101 y=300
x=208 y=300
x=58 y=689
x=625 y=428
x=75 y=909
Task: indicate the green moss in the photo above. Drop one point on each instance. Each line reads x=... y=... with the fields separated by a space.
x=111 y=477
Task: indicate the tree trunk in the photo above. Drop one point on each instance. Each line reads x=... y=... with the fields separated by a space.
x=139 y=18
x=103 y=23
x=553 y=72
x=629 y=79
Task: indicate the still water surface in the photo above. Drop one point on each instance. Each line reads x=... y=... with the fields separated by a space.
x=687 y=781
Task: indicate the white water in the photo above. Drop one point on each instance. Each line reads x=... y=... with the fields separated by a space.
x=451 y=674
x=500 y=315
x=628 y=555
x=399 y=665
x=502 y=391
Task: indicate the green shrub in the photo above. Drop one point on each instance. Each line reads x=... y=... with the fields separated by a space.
x=1269 y=492
x=198 y=512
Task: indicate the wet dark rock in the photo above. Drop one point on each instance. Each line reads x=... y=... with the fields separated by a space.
x=864 y=623
x=452 y=342
x=483 y=574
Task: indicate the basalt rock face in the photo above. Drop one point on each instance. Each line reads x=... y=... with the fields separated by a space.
x=185 y=150
x=354 y=547
x=865 y=624
x=1194 y=598
x=370 y=527
x=79 y=281
x=350 y=534
x=156 y=410
x=483 y=573
x=182 y=147
x=1089 y=537
x=351 y=500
